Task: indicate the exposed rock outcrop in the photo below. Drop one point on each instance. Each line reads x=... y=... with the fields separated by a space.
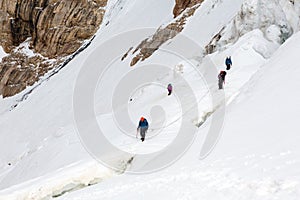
x=19 y=71
x=148 y=46
x=56 y=28
x=182 y=5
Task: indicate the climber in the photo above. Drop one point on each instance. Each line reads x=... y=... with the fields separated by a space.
x=143 y=126
x=228 y=63
x=170 y=88
x=221 y=78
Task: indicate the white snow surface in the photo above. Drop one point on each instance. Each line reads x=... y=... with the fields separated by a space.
x=2 y=53
x=257 y=157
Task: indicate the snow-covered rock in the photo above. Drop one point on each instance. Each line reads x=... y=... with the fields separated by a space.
x=278 y=20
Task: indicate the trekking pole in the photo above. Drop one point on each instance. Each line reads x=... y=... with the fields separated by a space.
x=137 y=130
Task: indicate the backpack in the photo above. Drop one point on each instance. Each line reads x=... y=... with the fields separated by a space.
x=222 y=74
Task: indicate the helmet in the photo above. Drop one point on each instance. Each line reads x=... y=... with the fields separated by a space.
x=142 y=119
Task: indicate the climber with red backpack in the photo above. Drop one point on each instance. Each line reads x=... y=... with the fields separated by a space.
x=143 y=127
x=221 y=78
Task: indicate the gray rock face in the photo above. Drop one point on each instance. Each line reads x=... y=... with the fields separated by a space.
x=56 y=28
x=182 y=5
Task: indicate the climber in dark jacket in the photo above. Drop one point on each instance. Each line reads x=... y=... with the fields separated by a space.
x=170 y=88
x=143 y=126
x=221 y=78
x=228 y=63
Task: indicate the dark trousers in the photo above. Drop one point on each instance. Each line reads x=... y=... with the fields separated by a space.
x=228 y=66
x=221 y=81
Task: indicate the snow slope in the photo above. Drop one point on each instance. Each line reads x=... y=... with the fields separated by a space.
x=44 y=156
x=257 y=157
x=45 y=141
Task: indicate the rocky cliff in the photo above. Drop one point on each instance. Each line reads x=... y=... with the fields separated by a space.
x=53 y=29
x=184 y=8
x=50 y=30
x=182 y=5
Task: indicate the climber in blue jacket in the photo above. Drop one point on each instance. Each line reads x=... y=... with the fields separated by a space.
x=143 y=126
x=228 y=63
